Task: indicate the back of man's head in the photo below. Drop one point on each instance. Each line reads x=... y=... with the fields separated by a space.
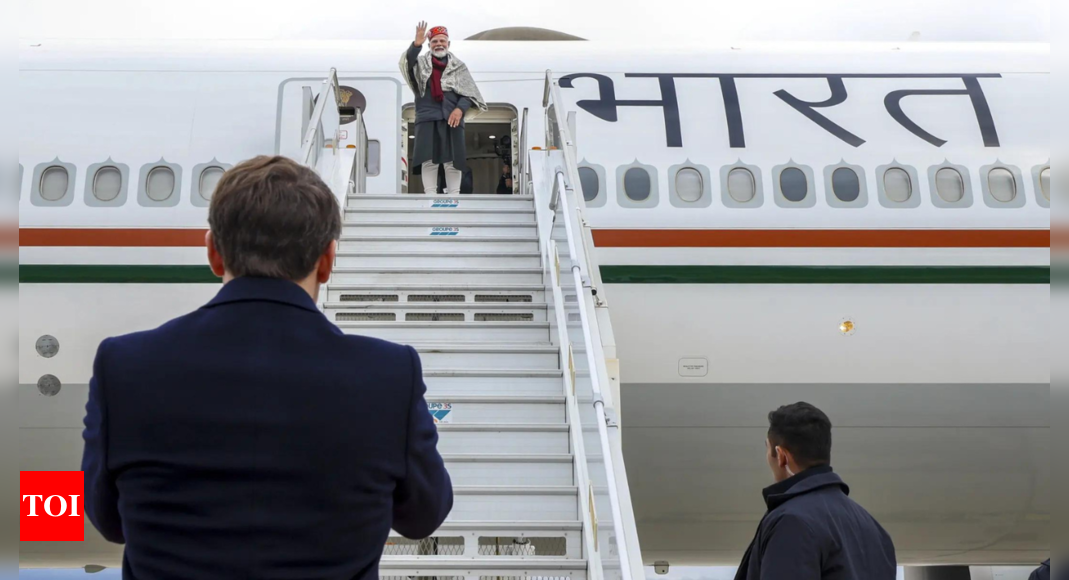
x=271 y=217
x=804 y=430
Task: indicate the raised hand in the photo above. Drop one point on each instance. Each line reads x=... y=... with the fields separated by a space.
x=421 y=33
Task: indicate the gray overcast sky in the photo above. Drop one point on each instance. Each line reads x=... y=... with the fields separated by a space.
x=644 y=20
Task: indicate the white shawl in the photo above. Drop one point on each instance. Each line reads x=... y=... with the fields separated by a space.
x=455 y=77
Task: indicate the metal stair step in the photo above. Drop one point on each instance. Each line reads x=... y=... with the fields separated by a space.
x=496 y=409
x=459 y=332
x=422 y=293
x=434 y=244
x=493 y=381
x=509 y=503
x=504 y=438
x=445 y=228
x=435 y=216
x=560 y=539
x=479 y=567
x=489 y=356
x=499 y=568
x=422 y=200
x=497 y=276
x=512 y=469
x=458 y=260
x=434 y=312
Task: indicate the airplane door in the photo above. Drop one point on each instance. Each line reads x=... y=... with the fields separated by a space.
x=380 y=100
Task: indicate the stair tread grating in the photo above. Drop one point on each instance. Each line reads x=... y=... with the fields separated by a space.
x=458 y=309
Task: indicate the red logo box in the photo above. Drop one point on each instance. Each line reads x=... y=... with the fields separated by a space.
x=53 y=506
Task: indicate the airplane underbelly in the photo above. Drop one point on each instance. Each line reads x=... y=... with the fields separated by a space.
x=932 y=364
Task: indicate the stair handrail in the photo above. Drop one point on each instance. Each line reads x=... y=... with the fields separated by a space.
x=521 y=171
x=582 y=469
x=358 y=173
x=587 y=280
x=597 y=371
x=314 y=138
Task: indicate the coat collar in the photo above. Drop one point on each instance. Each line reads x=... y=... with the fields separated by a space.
x=809 y=480
x=251 y=289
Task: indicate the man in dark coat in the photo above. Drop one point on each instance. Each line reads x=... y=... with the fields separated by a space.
x=1041 y=573
x=445 y=92
x=812 y=530
x=252 y=438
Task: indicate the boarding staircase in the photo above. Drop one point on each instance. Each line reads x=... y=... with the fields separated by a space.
x=496 y=294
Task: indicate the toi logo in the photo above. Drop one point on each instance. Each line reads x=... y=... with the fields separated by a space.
x=52 y=506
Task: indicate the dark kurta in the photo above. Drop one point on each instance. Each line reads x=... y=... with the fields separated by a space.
x=436 y=141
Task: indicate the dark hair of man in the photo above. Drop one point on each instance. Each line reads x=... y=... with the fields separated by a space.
x=804 y=430
x=271 y=217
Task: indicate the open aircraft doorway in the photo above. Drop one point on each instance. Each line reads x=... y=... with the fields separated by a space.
x=492 y=140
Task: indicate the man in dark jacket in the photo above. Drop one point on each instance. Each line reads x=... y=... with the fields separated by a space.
x=1041 y=573
x=252 y=438
x=812 y=530
x=444 y=91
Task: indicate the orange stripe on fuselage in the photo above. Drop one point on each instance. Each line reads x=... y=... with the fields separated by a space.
x=822 y=238
x=112 y=238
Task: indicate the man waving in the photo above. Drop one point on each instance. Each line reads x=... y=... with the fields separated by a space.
x=444 y=92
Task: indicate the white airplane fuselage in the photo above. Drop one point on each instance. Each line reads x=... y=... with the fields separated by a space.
x=920 y=325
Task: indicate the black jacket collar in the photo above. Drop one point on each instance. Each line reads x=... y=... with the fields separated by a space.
x=807 y=481
x=251 y=289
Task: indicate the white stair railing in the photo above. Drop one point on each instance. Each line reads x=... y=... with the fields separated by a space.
x=558 y=198
x=337 y=152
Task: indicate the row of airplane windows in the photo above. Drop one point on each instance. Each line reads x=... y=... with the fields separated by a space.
x=637 y=185
x=107 y=184
x=897 y=186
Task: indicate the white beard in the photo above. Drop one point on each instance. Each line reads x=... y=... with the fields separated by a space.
x=440 y=52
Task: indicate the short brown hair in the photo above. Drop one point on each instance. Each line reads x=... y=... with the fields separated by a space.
x=273 y=218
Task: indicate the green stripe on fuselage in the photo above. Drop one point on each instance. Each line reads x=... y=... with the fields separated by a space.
x=112 y=274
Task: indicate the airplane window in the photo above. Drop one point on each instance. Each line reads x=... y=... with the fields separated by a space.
x=1044 y=183
x=209 y=179
x=54 y=181
x=689 y=185
x=897 y=185
x=637 y=184
x=107 y=183
x=741 y=185
x=588 y=179
x=793 y=184
x=374 y=157
x=159 y=186
x=846 y=184
x=949 y=185
x=1002 y=185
